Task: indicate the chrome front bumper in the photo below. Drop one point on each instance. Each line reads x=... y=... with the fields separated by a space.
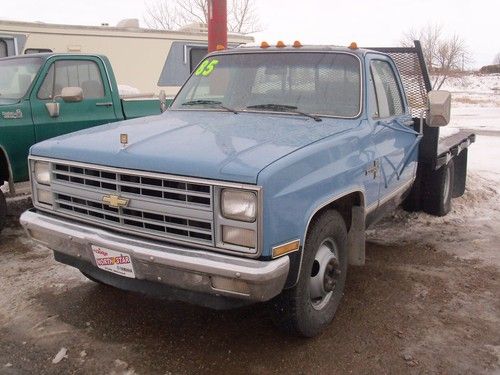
x=188 y=269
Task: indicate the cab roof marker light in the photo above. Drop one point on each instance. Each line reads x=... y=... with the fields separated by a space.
x=353 y=45
x=220 y=47
x=280 y=44
x=297 y=44
x=264 y=45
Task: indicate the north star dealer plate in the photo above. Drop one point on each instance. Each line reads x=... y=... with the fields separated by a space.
x=113 y=261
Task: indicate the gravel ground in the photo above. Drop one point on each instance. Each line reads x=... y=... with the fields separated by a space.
x=427 y=301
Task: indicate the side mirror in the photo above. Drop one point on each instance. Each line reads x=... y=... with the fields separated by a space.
x=439 y=108
x=71 y=94
x=53 y=108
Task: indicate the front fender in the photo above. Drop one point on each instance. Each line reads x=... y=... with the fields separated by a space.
x=299 y=185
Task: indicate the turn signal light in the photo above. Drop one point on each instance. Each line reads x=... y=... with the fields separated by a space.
x=280 y=44
x=264 y=45
x=286 y=248
x=297 y=44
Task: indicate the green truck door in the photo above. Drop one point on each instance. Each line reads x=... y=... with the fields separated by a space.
x=96 y=107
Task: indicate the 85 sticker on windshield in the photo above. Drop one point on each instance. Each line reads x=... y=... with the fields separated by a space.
x=206 y=68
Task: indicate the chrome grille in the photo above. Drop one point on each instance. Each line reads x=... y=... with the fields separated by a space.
x=158 y=206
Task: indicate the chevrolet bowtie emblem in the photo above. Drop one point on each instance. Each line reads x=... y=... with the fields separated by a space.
x=115 y=201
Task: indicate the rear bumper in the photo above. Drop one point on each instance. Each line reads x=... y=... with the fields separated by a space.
x=198 y=272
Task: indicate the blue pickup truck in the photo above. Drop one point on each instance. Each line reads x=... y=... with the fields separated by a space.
x=257 y=184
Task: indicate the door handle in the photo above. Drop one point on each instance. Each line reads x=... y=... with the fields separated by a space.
x=373 y=169
x=105 y=104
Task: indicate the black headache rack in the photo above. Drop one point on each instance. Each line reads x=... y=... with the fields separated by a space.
x=433 y=152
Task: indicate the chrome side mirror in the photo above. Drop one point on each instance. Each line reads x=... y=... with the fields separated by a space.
x=53 y=108
x=439 y=103
x=71 y=94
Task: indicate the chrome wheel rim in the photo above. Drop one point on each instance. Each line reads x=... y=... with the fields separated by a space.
x=325 y=274
x=446 y=191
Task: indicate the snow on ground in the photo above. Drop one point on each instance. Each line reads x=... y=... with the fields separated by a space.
x=474 y=84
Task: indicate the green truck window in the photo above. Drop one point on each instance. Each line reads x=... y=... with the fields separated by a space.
x=72 y=73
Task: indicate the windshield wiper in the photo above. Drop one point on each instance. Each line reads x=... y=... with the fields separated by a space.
x=284 y=108
x=210 y=102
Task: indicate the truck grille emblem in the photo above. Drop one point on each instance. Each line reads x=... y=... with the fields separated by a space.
x=124 y=139
x=115 y=201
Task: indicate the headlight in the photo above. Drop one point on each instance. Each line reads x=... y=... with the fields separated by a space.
x=238 y=236
x=44 y=196
x=239 y=205
x=42 y=172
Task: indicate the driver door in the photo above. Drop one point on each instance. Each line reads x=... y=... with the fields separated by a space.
x=96 y=107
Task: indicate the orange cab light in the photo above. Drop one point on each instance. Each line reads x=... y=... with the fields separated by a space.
x=220 y=47
x=264 y=45
x=353 y=45
x=280 y=44
x=297 y=44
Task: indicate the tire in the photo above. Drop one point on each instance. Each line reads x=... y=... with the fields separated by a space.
x=439 y=190
x=3 y=210
x=307 y=309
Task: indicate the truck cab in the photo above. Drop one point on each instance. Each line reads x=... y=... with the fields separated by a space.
x=33 y=106
x=256 y=185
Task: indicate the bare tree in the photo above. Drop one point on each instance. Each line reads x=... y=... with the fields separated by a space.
x=444 y=56
x=173 y=14
x=162 y=15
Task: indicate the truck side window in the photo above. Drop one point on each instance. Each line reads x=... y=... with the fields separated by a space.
x=72 y=73
x=389 y=99
x=3 y=48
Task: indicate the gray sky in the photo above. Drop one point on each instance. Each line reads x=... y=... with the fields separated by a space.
x=368 y=22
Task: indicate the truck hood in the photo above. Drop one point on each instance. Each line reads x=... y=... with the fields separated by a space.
x=206 y=144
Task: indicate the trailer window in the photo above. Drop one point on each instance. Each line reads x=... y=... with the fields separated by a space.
x=31 y=51
x=195 y=56
x=3 y=48
x=389 y=98
x=72 y=73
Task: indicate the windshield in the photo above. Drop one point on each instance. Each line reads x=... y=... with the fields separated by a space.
x=16 y=76
x=305 y=83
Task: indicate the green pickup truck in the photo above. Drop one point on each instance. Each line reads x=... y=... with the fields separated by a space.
x=46 y=95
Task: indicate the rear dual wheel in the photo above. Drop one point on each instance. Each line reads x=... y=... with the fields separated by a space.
x=439 y=190
x=308 y=308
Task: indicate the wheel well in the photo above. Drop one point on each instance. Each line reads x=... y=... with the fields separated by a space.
x=4 y=168
x=344 y=206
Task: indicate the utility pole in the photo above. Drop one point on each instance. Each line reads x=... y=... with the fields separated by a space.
x=217 y=24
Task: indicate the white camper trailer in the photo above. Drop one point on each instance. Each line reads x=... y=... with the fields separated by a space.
x=143 y=59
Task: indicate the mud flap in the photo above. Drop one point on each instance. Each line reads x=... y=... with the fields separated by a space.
x=356 y=240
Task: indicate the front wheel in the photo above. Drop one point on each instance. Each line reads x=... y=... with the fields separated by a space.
x=3 y=210
x=310 y=306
